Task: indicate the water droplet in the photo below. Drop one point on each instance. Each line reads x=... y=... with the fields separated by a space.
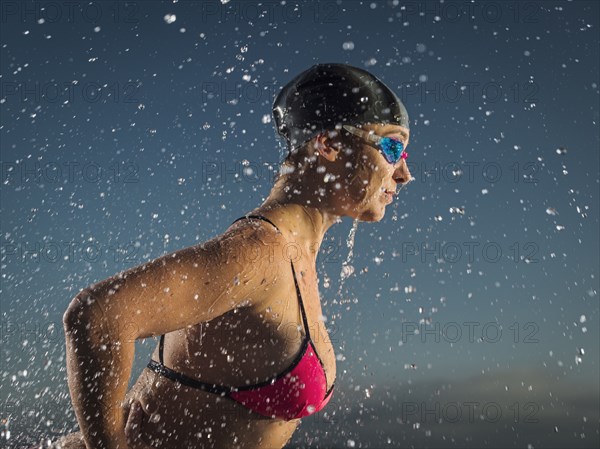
x=170 y=18
x=457 y=210
x=347 y=271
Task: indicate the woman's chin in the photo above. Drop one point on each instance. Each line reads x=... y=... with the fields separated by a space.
x=373 y=211
x=372 y=214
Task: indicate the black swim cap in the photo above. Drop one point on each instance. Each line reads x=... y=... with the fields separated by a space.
x=329 y=94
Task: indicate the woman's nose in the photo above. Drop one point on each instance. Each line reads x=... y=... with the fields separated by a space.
x=402 y=173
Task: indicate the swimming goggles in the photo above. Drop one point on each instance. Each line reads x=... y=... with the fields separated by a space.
x=392 y=149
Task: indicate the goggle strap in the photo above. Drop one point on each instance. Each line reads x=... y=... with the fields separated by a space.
x=365 y=135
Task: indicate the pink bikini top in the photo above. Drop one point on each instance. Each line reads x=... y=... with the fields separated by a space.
x=298 y=391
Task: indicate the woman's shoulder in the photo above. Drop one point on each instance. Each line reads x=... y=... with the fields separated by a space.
x=247 y=241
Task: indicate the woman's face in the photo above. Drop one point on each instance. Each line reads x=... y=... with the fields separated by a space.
x=365 y=175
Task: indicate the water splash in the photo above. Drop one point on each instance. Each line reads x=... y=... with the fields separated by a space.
x=395 y=203
x=347 y=268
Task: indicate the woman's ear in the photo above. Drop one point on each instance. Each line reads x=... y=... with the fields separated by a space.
x=324 y=145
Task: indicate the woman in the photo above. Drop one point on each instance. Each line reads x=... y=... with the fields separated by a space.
x=244 y=353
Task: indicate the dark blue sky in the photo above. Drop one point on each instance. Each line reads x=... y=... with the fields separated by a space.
x=126 y=134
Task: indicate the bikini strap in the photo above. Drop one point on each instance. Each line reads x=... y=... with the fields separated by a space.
x=161 y=348
x=304 y=320
x=259 y=217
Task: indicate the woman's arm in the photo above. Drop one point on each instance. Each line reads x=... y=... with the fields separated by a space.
x=174 y=291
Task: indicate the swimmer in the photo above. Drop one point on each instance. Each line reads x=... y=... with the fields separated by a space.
x=243 y=353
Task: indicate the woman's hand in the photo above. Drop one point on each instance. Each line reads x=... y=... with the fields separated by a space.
x=134 y=426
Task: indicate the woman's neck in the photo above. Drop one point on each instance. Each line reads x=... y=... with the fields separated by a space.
x=300 y=222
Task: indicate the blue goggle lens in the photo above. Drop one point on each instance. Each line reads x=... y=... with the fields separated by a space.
x=392 y=149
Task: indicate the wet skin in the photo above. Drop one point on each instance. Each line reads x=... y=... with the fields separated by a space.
x=197 y=352
x=369 y=175
x=223 y=351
